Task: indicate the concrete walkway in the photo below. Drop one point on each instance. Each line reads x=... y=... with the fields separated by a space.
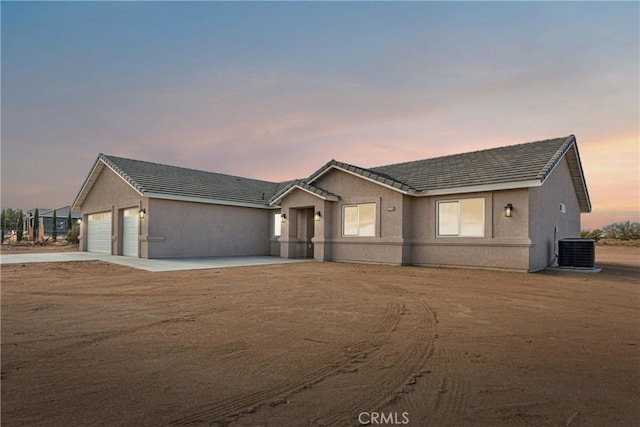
x=155 y=265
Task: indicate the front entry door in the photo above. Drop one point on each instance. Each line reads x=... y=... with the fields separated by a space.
x=310 y=225
x=304 y=232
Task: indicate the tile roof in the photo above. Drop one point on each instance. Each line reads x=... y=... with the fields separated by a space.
x=299 y=183
x=514 y=166
x=175 y=182
x=521 y=165
x=378 y=176
x=60 y=213
x=33 y=211
x=515 y=163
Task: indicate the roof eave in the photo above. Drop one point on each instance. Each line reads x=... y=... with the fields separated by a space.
x=575 y=169
x=328 y=197
x=480 y=188
x=206 y=200
x=93 y=176
x=579 y=182
x=391 y=187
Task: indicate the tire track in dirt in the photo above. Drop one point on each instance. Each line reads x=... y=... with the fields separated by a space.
x=45 y=410
x=393 y=312
x=89 y=294
x=409 y=364
x=103 y=335
x=320 y=368
x=394 y=290
x=626 y=389
x=317 y=370
x=450 y=401
x=535 y=296
x=390 y=318
x=89 y=339
x=231 y=350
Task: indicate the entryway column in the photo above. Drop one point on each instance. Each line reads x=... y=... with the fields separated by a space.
x=321 y=241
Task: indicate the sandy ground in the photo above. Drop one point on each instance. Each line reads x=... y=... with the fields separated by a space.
x=619 y=256
x=30 y=247
x=321 y=344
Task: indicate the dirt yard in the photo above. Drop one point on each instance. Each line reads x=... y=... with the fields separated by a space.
x=321 y=344
x=30 y=247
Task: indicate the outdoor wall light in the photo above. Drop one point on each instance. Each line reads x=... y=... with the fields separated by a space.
x=508 y=210
x=79 y=221
x=283 y=219
x=142 y=212
x=317 y=216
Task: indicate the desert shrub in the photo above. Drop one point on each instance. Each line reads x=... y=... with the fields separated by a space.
x=595 y=234
x=624 y=230
x=73 y=233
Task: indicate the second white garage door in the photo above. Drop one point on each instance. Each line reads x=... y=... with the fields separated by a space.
x=99 y=233
x=130 y=232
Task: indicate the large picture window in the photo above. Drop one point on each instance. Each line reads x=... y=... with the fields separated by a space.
x=359 y=220
x=461 y=218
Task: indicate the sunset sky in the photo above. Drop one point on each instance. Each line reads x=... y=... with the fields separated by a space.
x=275 y=90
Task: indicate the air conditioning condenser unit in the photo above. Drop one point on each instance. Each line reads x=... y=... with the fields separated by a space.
x=577 y=253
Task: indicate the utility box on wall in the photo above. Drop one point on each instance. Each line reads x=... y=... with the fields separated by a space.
x=579 y=253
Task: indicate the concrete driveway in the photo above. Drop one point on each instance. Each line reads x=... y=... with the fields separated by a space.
x=155 y=265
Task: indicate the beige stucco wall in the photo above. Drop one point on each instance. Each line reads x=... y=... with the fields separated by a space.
x=505 y=244
x=186 y=229
x=110 y=193
x=388 y=245
x=544 y=205
x=180 y=229
x=406 y=227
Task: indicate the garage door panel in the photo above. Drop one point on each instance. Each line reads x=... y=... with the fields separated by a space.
x=99 y=233
x=130 y=232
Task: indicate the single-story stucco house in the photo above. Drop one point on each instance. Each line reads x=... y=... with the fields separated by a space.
x=46 y=225
x=498 y=208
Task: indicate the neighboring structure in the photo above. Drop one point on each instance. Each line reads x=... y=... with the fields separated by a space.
x=29 y=223
x=498 y=208
x=45 y=216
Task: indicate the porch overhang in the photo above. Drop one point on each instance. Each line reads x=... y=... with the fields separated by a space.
x=308 y=188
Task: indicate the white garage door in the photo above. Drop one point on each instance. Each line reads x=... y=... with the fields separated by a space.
x=99 y=233
x=130 y=232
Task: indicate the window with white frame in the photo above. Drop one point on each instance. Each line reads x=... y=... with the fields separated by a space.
x=277 y=224
x=461 y=218
x=359 y=220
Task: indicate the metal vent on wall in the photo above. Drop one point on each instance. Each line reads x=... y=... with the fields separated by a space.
x=577 y=253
